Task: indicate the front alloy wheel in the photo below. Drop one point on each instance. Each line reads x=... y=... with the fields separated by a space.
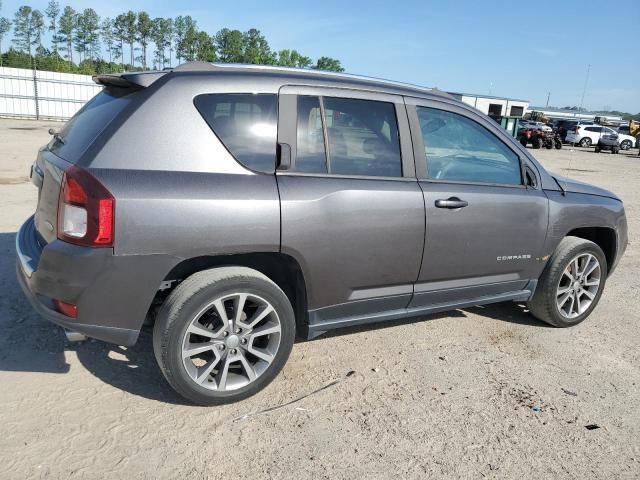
x=571 y=284
x=578 y=286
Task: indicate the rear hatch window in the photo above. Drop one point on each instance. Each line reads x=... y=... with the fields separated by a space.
x=86 y=125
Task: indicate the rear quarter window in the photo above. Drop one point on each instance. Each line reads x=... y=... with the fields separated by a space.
x=246 y=124
x=90 y=121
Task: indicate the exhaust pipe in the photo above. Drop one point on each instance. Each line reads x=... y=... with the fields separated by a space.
x=73 y=336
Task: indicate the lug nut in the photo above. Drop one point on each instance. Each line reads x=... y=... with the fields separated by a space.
x=220 y=347
x=243 y=341
x=233 y=350
x=225 y=334
x=238 y=330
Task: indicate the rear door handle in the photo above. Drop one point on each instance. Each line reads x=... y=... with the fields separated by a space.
x=451 y=203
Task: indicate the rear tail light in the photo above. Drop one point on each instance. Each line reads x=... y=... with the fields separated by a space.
x=85 y=210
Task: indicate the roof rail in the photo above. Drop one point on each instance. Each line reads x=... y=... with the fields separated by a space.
x=206 y=66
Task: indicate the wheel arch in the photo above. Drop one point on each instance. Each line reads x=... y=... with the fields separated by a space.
x=604 y=237
x=282 y=269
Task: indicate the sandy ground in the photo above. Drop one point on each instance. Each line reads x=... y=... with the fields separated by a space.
x=476 y=393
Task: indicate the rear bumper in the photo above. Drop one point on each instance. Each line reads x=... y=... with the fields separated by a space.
x=112 y=293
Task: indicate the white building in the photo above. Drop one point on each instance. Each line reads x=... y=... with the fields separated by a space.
x=494 y=106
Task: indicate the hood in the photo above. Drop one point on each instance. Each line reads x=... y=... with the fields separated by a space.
x=574 y=186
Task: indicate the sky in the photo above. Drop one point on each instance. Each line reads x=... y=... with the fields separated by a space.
x=518 y=49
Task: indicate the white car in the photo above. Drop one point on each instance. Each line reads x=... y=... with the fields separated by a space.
x=587 y=135
x=626 y=141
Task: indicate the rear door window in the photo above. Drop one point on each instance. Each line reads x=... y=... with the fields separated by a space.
x=87 y=124
x=362 y=137
x=246 y=124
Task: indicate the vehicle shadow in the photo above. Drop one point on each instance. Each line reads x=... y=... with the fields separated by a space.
x=31 y=344
x=27 y=342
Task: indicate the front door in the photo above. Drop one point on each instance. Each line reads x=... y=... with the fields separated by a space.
x=352 y=210
x=485 y=228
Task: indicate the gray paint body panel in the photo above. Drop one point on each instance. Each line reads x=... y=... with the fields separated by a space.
x=463 y=245
x=352 y=234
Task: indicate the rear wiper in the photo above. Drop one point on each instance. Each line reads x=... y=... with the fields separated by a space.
x=55 y=134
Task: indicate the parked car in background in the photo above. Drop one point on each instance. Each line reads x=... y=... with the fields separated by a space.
x=608 y=142
x=565 y=126
x=588 y=135
x=233 y=208
x=625 y=138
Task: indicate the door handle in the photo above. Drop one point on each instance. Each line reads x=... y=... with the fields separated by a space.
x=451 y=203
x=284 y=156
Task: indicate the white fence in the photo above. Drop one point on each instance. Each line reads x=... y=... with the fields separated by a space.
x=47 y=96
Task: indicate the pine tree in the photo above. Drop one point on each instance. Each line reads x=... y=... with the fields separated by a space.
x=67 y=28
x=28 y=28
x=144 y=28
x=52 y=12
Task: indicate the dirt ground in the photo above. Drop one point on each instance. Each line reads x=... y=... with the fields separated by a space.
x=475 y=393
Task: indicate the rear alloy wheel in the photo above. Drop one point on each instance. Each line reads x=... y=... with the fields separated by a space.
x=571 y=285
x=625 y=145
x=585 y=142
x=223 y=335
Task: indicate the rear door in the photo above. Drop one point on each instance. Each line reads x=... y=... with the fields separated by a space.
x=352 y=211
x=485 y=227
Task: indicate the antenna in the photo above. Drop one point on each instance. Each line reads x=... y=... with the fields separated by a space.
x=584 y=90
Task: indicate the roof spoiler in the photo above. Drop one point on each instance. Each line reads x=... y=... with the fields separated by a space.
x=128 y=80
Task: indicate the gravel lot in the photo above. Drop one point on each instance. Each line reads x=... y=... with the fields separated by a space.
x=474 y=393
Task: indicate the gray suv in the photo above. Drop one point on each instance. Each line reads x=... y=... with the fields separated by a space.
x=232 y=208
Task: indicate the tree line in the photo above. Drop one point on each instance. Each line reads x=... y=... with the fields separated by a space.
x=82 y=42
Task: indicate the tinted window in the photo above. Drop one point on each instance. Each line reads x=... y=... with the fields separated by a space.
x=593 y=129
x=85 y=126
x=363 y=137
x=460 y=150
x=246 y=124
x=311 y=156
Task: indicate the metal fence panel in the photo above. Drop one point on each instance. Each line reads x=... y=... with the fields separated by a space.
x=47 y=96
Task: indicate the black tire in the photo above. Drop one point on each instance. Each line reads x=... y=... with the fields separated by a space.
x=597 y=150
x=625 y=145
x=615 y=150
x=523 y=141
x=184 y=303
x=548 y=144
x=543 y=305
x=558 y=144
x=585 y=142
x=536 y=142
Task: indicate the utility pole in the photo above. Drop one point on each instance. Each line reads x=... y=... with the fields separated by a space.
x=548 y=95
x=584 y=90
